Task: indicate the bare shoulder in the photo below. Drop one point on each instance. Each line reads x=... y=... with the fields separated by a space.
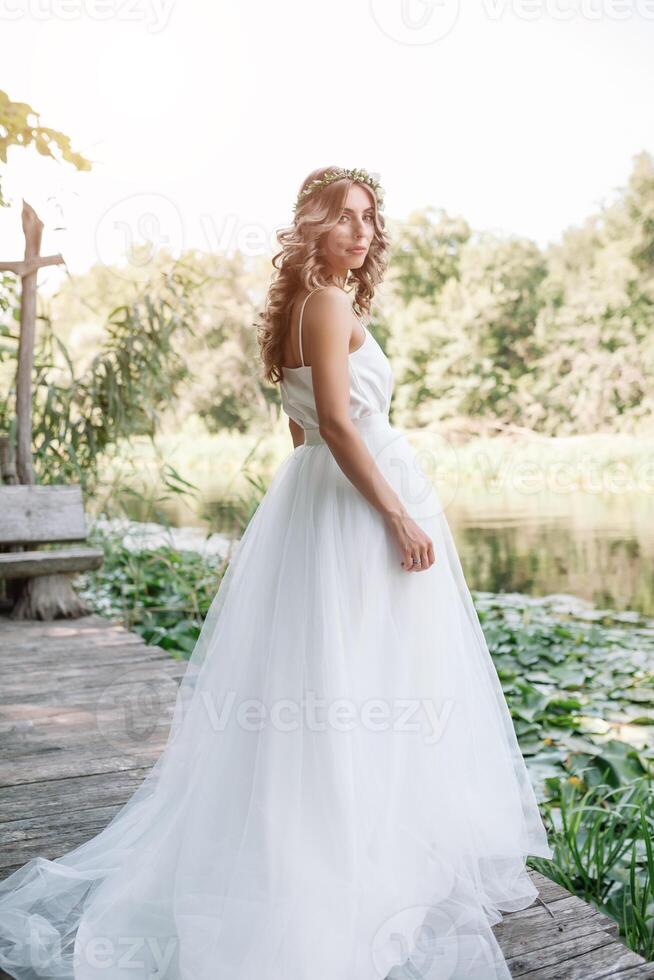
x=328 y=308
x=328 y=299
x=327 y=325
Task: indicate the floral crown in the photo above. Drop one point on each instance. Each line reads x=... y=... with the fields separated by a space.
x=372 y=180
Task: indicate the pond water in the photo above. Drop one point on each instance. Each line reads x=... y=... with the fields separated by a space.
x=598 y=548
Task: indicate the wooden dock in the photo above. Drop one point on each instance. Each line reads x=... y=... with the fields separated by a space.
x=85 y=708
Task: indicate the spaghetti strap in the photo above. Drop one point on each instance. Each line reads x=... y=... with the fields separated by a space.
x=299 y=332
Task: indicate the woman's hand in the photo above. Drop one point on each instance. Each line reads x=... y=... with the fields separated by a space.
x=412 y=542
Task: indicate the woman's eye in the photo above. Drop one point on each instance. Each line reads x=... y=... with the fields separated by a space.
x=346 y=217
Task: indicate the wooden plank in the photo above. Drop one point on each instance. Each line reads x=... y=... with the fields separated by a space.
x=526 y=934
x=61 y=766
x=112 y=652
x=28 y=564
x=33 y=639
x=116 y=737
x=638 y=972
x=609 y=960
x=31 y=514
x=548 y=890
x=68 y=684
x=86 y=682
x=554 y=954
x=49 y=797
x=54 y=838
x=21 y=631
x=564 y=911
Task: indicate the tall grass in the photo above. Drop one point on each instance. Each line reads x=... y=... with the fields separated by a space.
x=601 y=837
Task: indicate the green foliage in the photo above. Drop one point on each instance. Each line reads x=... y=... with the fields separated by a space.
x=580 y=691
x=635 y=912
x=224 y=387
x=162 y=594
x=560 y=341
x=476 y=346
x=597 y=327
x=426 y=253
x=19 y=127
x=234 y=511
x=639 y=207
x=229 y=393
x=601 y=838
x=81 y=417
x=573 y=686
x=9 y=311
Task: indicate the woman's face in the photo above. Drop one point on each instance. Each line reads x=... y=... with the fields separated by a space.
x=347 y=244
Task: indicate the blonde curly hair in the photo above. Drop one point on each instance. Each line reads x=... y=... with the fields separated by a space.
x=300 y=263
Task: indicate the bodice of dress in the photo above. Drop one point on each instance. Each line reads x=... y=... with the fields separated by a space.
x=371 y=383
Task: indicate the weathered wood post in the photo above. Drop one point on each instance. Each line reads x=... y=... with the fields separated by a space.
x=44 y=596
x=27 y=270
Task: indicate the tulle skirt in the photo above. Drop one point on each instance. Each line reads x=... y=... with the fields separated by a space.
x=342 y=795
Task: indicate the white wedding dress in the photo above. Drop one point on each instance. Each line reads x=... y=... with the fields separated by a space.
x=342 y=795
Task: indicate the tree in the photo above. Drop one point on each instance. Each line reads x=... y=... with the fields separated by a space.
x=425 y=254
x=471 y=350
x=19 y=126
x=597 y=327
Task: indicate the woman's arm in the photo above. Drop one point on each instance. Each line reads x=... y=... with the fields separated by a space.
x=328 y=326
x=297 y=433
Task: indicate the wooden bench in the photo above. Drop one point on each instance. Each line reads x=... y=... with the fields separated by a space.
x=40 y=580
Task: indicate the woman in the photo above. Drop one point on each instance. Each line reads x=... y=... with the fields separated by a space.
x=342 y=796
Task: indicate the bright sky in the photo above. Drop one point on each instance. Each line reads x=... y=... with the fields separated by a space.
x=203 y=118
